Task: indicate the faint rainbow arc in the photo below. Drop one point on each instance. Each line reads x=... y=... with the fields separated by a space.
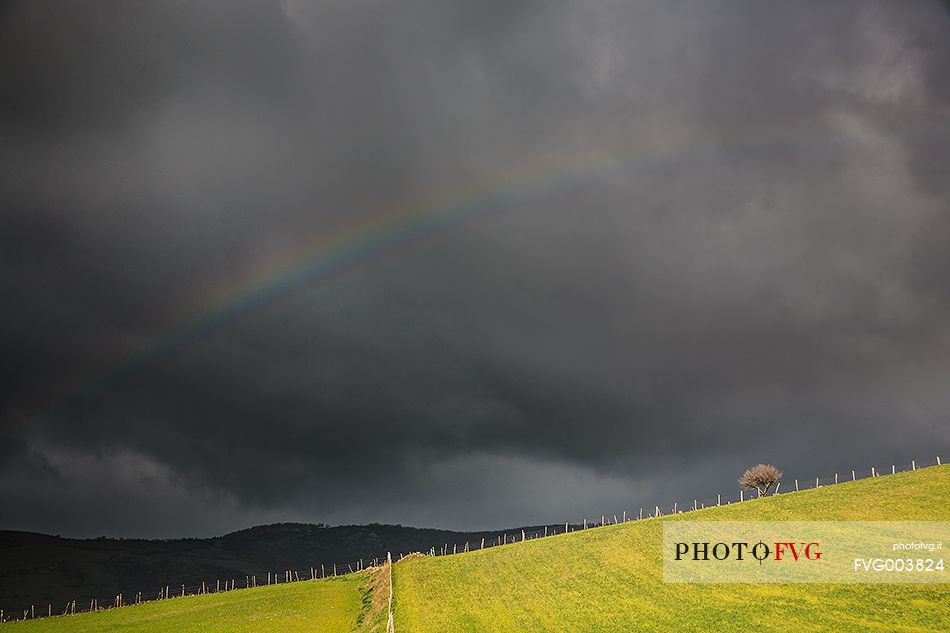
x=380 y=232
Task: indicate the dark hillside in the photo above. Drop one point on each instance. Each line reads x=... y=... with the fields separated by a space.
x=40 y=569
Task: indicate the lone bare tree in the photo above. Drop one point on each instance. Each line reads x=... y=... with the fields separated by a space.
x=760 y=477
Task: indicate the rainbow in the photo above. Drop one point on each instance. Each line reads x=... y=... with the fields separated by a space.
x=384 y=230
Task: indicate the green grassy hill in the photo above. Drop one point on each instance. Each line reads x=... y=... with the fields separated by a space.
x=611 y=578
x=603 y=579
x=333 y=605
x=40 y=569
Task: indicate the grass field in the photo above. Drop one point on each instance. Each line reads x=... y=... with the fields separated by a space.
x=610 y=578
x=603 y=579
x=331 y=605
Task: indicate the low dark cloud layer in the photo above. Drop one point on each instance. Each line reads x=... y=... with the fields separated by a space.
x=703 y=235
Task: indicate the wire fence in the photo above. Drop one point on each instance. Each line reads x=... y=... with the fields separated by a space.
x=90 y=604
x=786 y=486
x=330 y=570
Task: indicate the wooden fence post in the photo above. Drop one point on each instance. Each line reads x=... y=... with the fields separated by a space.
x=853 y=478
x=938 y=460
x=872 y=472
x=913 y=464
x=624 y=516
x=718 y=498
x=836 y=477
x=674 y=507
x=390 y=626
x=641 y=512
x=741 y=496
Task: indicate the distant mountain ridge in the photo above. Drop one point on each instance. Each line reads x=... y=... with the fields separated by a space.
x=41 y=569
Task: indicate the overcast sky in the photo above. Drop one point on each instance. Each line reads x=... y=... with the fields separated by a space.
x=462 y=264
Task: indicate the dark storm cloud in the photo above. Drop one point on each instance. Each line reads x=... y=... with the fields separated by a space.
x=737 y=252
